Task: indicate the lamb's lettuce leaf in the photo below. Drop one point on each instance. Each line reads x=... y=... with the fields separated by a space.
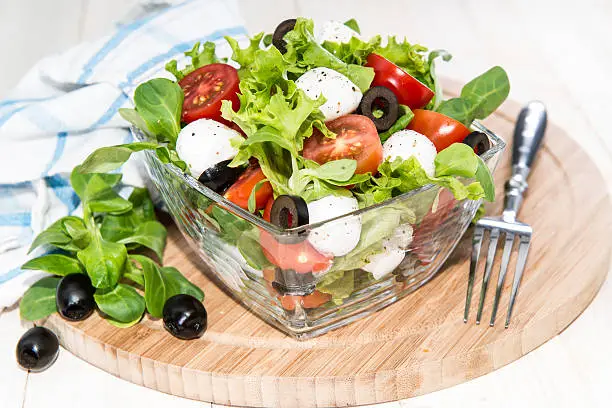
x=404 y=119
x=479 y=98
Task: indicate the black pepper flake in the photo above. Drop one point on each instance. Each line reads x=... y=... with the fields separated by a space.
x=193 y=134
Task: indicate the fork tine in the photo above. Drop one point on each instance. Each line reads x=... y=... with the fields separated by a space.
x=502 y=274
x=476 y=244
x=494 y=237
x=518 y=274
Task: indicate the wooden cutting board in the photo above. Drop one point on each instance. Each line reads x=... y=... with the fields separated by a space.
x=417 y=345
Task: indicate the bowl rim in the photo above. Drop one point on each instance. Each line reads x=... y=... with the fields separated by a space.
x=498 y=145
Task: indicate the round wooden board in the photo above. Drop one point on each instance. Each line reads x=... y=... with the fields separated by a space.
x=417 y=345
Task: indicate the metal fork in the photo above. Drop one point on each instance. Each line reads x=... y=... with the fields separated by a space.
x=528 y=134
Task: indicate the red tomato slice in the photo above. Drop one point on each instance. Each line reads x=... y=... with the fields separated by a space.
x=268 y=209
x=422 y=242
x=356 y=138
x=312 y=301
x=440 y=129
x=408 y=89
x=301 y=257
x=239 y=192
x=204 y=90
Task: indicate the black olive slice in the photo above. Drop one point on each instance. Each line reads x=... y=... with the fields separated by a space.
x=185 y=317
x=289 y=212
x=478 y=141
x=289 y=282
x=384 y=101
x=75 y=297
x=37 y=349
x=282 y=29
x=220 y=176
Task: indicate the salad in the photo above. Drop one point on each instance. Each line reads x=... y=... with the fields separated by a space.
x=308 y=124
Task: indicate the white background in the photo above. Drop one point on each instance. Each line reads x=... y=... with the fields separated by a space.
x=557 y=51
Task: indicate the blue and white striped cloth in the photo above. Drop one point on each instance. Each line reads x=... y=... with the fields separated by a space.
x=46 y=131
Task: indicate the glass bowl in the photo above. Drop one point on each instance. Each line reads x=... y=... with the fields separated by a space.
x=408 y=237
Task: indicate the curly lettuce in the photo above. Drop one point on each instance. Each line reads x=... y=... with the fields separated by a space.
x=199 y=56
x=307 y=53
x=401 y=176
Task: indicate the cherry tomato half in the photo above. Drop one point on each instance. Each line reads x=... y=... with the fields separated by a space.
x=409 y=90
x=204 y=90
x=440 y=129
x=268 y=209
x=356 y=138
x=239 y=192
x=301 y=257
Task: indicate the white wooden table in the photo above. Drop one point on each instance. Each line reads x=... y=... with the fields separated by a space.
x=558 y=51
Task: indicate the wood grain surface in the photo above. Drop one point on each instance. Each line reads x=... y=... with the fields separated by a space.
x=415 y=346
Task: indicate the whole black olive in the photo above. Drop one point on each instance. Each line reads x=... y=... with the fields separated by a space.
x=282 y=29
x=478 y=141
x=289 y=211
x=37 y=349
x=185 y=317
x=220 y=176
x=289 y=282
x=75 y=297
x=384 y=100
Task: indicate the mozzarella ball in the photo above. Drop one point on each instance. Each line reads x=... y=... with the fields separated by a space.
x=401 y=238
x=204 y=143
x=384 y=263
x=342 y=96
x=339 y=237
x=394 y=251
x=406 y=143
x=334 y=31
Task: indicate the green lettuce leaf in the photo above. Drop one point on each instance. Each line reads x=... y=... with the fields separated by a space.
x=245 y=56
x=412 y=58
x=479 y=98
x=339 y=284
x=353 y=25
x=355 y=51
x=376 y=226
x=200 y=56
x=404 y=119
x=306 y=53
x=400 y=176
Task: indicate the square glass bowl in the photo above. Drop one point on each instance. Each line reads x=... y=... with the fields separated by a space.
x=308 y=294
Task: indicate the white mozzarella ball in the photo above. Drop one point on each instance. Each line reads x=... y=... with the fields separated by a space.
x=204 y=143
x=401 y=238
x=394 y=251
x=334 y=31
x=406 y=143
x=384 y=263
x=339 y=237
x=342 y=96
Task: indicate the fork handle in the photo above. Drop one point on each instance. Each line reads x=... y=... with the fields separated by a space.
x=528 y=135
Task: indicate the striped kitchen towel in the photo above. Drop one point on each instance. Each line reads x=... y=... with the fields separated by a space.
x=66 y=107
